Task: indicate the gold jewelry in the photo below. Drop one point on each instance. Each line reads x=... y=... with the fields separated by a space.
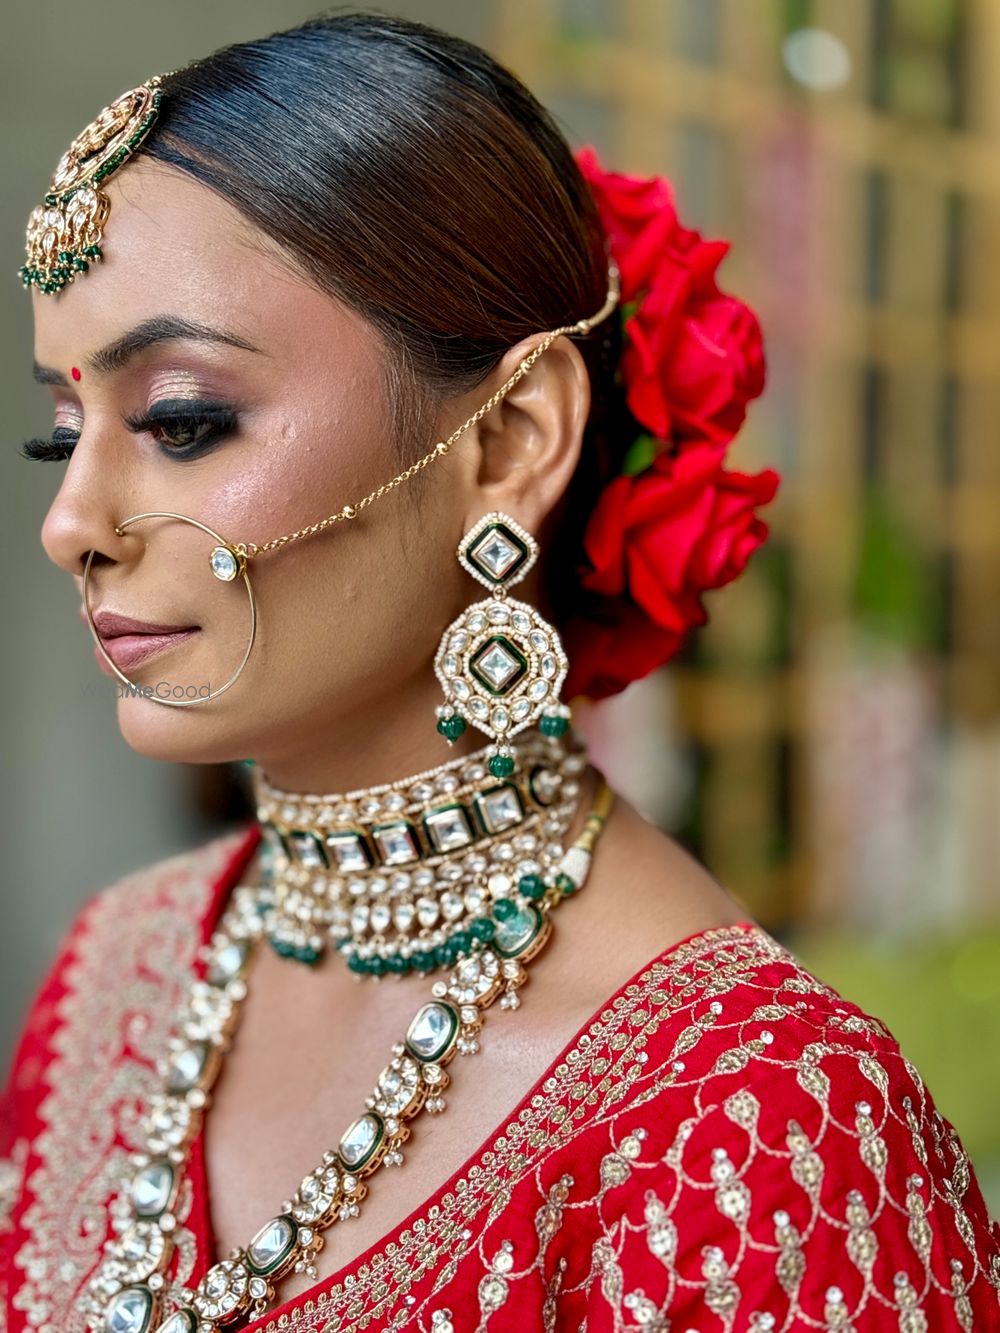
x=64 y=233
x=241 y=552
x=402 y=877
x=500 y=664
x=229 y=560
x=138 y=689
x=131 y=1288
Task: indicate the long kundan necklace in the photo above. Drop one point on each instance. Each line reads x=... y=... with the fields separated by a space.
x=323 y=861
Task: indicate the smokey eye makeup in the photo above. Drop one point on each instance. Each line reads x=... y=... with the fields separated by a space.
x=182 y=428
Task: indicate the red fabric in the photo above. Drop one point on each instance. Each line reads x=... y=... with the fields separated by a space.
x=622 y=1193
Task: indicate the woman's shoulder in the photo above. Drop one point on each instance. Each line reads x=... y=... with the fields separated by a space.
x=775 y=1153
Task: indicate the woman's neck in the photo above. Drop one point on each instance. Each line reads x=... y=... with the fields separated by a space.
x=368 y=746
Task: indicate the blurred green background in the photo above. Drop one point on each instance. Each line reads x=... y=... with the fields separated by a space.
x=830 y=743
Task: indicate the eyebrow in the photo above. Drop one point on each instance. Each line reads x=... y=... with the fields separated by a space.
x=160 y=329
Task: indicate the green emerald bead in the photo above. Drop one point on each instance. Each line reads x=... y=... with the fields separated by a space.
x=553 y=724
x=504 y=909
x=532 y=886
x=501 y=765
x=451 y=727
x=377 y=966
x=461 y=942
x=566 y=884
x=482 y=929
x=423 y=961
x=356 y=964
x=441 y=957
x=397 y=963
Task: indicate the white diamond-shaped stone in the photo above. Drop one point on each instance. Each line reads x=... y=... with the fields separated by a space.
x=360 y=1140
x=271 y=1243
x=427 y=911
x=448 y=829
x=402 y=916
x=187 y=1067
x=498 y=664
x=500 y=809
x=227 y=963
x=179 y=1322
x=129 y=1311
x=495 y=553
x=349 y=852
x=224 y=564
x=308 y=851
x=432 y=1030
x=396 y=844
x=151 y=1188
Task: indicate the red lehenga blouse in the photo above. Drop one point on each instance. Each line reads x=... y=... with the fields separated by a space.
x=728 y=1145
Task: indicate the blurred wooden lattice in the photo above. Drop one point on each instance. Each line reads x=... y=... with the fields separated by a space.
x=845 y=700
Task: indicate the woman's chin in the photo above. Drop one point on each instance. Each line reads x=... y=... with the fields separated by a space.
x=198 y=733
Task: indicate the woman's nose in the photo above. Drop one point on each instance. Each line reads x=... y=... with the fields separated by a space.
x=81 y=520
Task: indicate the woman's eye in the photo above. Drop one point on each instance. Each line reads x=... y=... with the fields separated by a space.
x=185 y=429
x=180 y=428
x=181 y=435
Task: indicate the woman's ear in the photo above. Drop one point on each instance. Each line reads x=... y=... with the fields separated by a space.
x=528 y=445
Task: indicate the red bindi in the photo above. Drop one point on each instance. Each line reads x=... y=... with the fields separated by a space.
x=75 y=372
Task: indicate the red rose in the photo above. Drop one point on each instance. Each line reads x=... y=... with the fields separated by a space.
x=638 y=216
x=693 y=358
x=655 y=542
x=693 y=355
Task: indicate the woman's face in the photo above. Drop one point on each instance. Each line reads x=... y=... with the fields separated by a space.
x=203 y=376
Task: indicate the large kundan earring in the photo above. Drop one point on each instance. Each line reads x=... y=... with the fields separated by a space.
x=501 y=665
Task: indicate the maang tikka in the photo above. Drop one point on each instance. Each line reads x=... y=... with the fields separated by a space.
x=500 y=664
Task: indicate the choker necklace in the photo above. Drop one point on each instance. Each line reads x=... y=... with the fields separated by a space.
x=404 y=876
x=131 y=1290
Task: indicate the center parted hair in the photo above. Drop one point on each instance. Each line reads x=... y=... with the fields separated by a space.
x=411 y=176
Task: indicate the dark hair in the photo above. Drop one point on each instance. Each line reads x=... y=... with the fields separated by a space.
x=414 y=178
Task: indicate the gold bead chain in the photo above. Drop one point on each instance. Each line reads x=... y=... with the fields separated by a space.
x=248 y=550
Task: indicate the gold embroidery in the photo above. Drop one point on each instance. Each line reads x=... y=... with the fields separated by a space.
x=607 y=1066
x=145 y=930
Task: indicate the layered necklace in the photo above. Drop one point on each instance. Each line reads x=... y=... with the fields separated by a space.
x=492 y=917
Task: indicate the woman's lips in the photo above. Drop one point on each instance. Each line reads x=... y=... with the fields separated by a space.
x=131 y=642
x=128 y=651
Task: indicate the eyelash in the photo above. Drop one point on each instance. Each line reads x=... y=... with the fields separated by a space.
x=207 y=422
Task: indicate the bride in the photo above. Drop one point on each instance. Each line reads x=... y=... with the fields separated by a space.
x=390 y=425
